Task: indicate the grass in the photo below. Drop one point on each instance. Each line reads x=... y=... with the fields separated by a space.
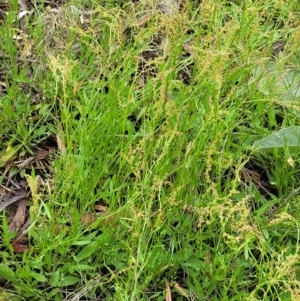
x=157 y=114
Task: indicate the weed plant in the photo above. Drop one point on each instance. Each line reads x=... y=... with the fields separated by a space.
x=158 y=109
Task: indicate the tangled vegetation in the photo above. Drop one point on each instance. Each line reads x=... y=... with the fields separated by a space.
x=153 y=147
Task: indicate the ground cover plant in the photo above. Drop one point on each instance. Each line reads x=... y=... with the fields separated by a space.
x=149 y=150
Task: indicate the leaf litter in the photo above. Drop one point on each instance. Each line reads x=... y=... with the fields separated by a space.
x=16 y=161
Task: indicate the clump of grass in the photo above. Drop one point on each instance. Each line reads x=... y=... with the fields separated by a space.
x=158 y=113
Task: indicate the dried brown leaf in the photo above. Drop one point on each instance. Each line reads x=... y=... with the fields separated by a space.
x=20 y=245
x=110 y=219
x=22 y=231
x=207 y=258
x=20 y=194
x=180 y=290
x=87 y=219
x=21 y=240
x=168 y=292
x=61 y=146
x=19 y=217
x=189 y=147
x=20 y=249
x=24 y=163
x=107 y=219
x=101 y=208
x=23 y=5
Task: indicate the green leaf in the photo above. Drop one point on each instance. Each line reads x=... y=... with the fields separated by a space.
x=246 y=251
x=219 y=275
x=54 y=279
x=52 y=293
x=287 y=137
x=238 y=274
x=87 y=251
x=81 y=243
x=6 y=272
x=7 y=155
x=38 y=277
x=67 y=281
x=264 y=208
x=194 y=263
x=58 y=297
x=284 y=84
x=84 y=267
x=265 y=233
x=192 y=266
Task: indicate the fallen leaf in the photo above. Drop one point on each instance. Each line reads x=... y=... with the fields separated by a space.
x=180 y=290
x=25 y=226
x=24 y=13
x=23 y=240
x=60 y=144
x=20 y=249
x=189 y=147
x=110 y=219
x=107 y=219
x=168 y=292
x=290 y=161
x=57 y=229
x=101 y=208
x=251 y=175
x=207 y=258
x=20 y=245
x=20 y=194
x=87 y=219
x=22 y=5
x=17 y=37
x=19 y=217
x=24 y=163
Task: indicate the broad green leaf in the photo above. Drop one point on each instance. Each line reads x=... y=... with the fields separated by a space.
x=67 y=281
x=7 y=155
x=38 y=277
x=54 y=279
x=287 y=137
x=6 y=272
x=284 y=84
x=87 y=251
x=264 y=208
x=221 y=276
x=84 y=267
x=52 y=293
